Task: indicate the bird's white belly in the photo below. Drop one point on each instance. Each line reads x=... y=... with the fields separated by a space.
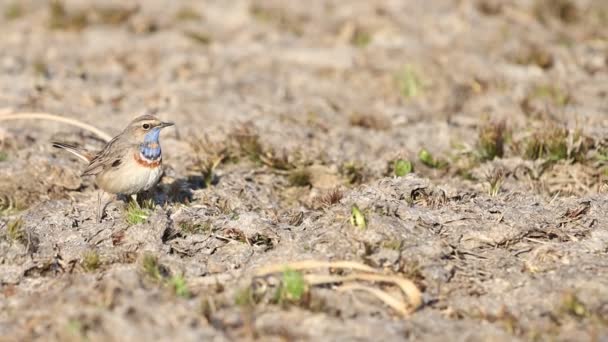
x=129 y=179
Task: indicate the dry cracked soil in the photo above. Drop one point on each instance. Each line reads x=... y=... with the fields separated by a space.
x=458 y=146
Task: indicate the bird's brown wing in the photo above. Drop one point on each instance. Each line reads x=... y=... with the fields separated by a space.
x=81 y=153
x=111 y=156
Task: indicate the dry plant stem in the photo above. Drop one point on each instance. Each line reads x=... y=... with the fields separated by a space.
x=312 y=264
x=46 y=116
x=407 y=286
x=99 y=209
x=389 y=300
x=370 y=274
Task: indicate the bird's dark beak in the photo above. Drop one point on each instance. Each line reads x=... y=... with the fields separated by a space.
x=166 y=124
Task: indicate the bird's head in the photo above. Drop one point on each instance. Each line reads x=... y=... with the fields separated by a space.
x=146 y=129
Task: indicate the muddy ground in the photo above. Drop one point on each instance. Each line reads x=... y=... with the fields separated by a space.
x=296 y=125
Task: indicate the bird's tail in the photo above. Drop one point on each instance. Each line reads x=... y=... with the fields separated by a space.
x=77 y=151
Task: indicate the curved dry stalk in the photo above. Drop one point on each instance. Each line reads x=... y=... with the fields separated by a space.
x=311 y=264
x=407 y=286
x=47 y=116
x=387 y=299
x=369 y=274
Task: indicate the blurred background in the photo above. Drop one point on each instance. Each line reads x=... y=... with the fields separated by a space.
x=380 y=63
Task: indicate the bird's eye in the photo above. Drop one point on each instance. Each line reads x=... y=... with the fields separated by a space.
x=146 y=126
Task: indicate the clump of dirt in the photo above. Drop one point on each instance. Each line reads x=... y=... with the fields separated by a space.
x=457 y=163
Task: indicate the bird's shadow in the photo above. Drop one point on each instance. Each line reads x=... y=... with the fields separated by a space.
x=181 y=190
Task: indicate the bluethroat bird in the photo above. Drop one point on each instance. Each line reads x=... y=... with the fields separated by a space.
x=128 y=164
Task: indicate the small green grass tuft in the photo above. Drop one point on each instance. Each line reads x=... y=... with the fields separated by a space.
x=209 y=171
x=427 y=159
x=293 y=287
x=151 y=268
x=353 y=171
x=40 y=67
x=402 y=167
x=573 y=306
x=281 y=160
x=299 y=177
x=60 y=19
x=408 y=82
x=244 y=297
x=357 y=218
x=392 y=244
x=76 y=329
x=208 y=155
x=361 y=38
x=13 y=10
x=16 y=232
x=278 y=17
x=495 y=178
x=580 y=145
x=10 y=205
x=247 y=143
x=552 y=93
x=190 y=228
x=264 y=14
x=154 y=271
x=113 y=15
x=198 y=37
x=3 y=156
x=551 y=144
x=491 y=141
x=187 y=14
x=90 y=261
x=137 y=214
x=179 y=286
x=601 y=154
x=463 y=165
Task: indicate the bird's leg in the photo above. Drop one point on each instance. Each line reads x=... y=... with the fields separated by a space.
x=100 y=209
x=134 y=198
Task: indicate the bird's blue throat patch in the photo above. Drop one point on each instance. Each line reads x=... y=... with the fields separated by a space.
x=150 y=149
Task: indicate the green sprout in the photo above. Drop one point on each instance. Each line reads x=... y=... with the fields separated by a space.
x=491 y=141
x=427 y=159
x=151 y=267
x=16 y=232
x=91 y=261
x=552 y=93
x=138 y=214
x=551 y=144
x=179 y=286
x=402 y=167
x=60 y=19
x=187 y=13
x=408 y=82
x=572 y=305
x=495 y=178
x=293 y=287
x=195 y=228
x=353 y=171
x=248 y=144
x=13 y=10
x=361 y=38
x=357 y=219
x=244 y=297
x=198 y=37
